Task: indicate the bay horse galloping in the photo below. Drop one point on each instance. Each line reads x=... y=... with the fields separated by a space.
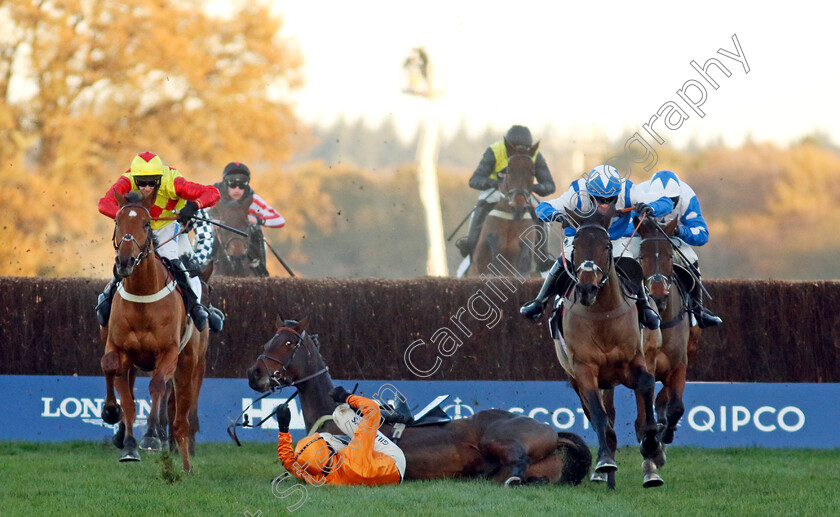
x=493 y=444
x=669 y=292
x=234 y=254
x=149 y=328
x=602 y=346
x=509 y=230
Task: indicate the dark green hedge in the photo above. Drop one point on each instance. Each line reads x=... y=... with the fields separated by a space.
x=773 y=331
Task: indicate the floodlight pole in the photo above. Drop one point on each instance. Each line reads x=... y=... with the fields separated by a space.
x=420 y=83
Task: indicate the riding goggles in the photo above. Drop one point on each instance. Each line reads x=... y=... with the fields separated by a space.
x=236 y=184
x=605 y=200
x=147 y=182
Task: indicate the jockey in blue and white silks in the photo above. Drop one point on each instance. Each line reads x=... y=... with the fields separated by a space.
x=603 y=183
x=691 y=231
x=602 y=187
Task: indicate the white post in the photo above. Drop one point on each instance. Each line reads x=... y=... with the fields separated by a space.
x=430 y=193
x=419 y=74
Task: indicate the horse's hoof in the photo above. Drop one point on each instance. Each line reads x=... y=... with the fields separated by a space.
x=117 y=440
x=598 y=477
x=131 y=455
x=605 y=466
x=111 y=414
x=652 y=480
x=150 y=443
x=513 y=481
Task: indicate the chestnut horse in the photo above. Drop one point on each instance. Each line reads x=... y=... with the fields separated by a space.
x=508 y=230
x=149 y=329
x=233 y=254
x=657 y=259
x=493 y=444
x=602 y=347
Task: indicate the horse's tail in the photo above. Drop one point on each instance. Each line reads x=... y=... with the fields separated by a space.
x=578 y=458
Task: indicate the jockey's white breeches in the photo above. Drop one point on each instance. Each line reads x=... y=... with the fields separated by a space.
x=173 y=250
x=346 y=418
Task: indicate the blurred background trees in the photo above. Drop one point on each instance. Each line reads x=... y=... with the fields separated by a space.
x=85 y=85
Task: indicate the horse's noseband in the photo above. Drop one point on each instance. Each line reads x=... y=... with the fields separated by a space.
x=279 y=377
x=590 y=265
x=131 y=239
x=658 y=278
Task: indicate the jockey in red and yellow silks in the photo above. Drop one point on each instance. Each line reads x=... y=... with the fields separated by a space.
x=369 y=459
x=172 y=194
x=148 y=176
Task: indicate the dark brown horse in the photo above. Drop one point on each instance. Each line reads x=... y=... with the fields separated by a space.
x=509 y=228
x=234 y=254
x=149 y=329
x=657 y=259
x=602 y=347
x=494 y=444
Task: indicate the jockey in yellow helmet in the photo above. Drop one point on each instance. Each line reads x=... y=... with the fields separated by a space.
x=170 y=191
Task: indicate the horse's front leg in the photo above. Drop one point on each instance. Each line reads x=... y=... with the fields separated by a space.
x=511 y=454
x=643 y=383
x=675 y=407
x=110 y=364
x=123 y=384
x=184 y=397
x=586 y=386
x=154 y=430
x=525 y=257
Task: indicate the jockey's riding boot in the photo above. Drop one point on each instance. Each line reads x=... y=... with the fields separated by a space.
x=195 y=309
x=215 y=318
x=647 y=316
x=542 y=265
x=705 y=318
x=558 y=281
x=466 y=245
x=103 y=302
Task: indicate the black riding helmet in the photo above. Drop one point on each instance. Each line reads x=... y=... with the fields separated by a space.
x=238 y=169
x=519 y=136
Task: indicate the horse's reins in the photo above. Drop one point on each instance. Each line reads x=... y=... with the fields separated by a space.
x=279 y=383
x=231 y=430
x=145 y=249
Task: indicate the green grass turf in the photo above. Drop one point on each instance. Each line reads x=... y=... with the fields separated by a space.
x=85 y=478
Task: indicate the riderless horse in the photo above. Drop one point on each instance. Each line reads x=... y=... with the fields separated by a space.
x=494 y=444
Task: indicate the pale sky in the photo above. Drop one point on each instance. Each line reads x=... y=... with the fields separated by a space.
x=573 y=65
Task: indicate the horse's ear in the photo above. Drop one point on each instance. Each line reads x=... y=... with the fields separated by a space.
x=279 y=323
x=120 y=198
x=303 y=324
x=533 y=149
x=670 y=227
x=572 y=216
x=511 y=150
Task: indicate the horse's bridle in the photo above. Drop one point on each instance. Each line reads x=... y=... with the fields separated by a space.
x=279 y=377
x=657 y=276
x=511 y=194
x=144 y=248
x=590 y=265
